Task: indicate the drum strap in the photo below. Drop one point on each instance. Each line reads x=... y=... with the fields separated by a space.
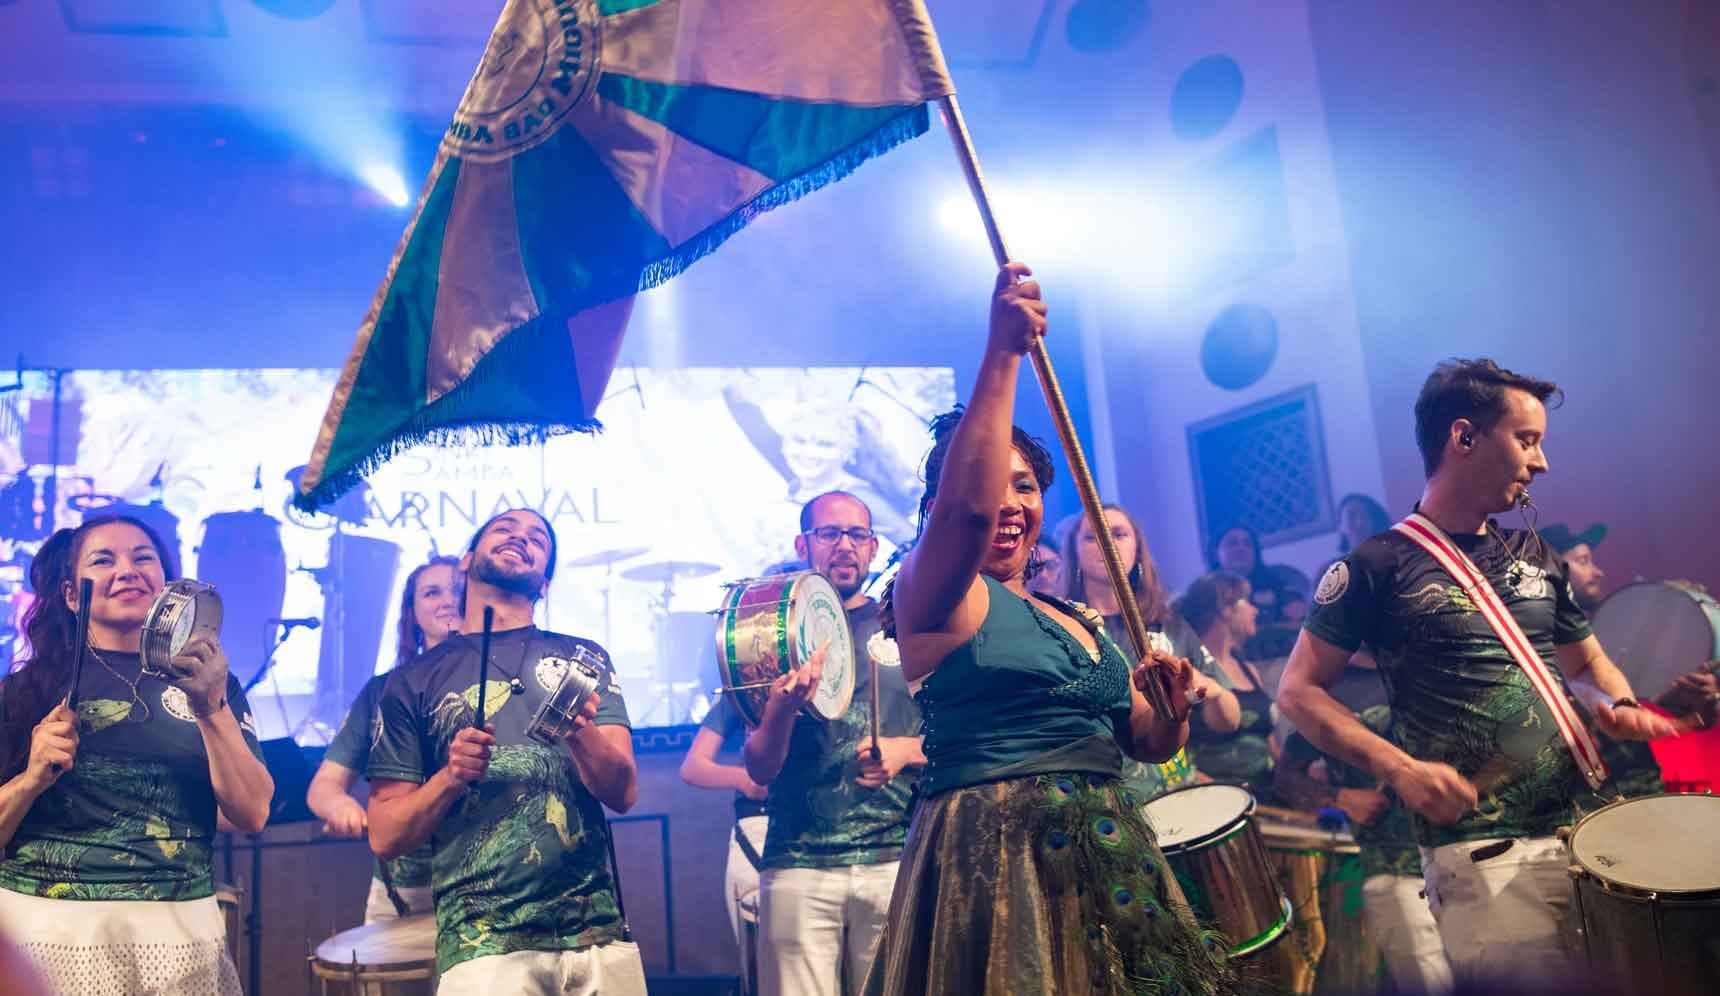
x=1425 y=533
x=394 y=897
x=747 y=849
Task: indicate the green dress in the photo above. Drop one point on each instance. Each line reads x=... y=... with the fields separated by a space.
x=1028 y=866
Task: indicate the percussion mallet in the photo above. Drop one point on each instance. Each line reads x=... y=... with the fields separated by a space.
x=484 y=665
x=86 y=592
x=877 y=754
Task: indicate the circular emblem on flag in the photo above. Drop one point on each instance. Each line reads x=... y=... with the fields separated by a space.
x=540 y=64
x=883 y=650
x=177 y=705
x=1333 y=584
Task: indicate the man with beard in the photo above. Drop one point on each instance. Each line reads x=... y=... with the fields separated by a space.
x=526 y=900
x=838 y=817
x=1482 y=649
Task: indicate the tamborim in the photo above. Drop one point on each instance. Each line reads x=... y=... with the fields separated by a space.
x=1207 y=835
x=770 y=626
x=581 y=677
x=183 y=609
x=1647 y=875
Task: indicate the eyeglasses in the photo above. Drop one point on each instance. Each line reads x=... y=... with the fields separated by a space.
x=831 y=535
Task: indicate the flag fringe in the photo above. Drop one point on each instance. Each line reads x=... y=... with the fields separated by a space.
x=439 y=423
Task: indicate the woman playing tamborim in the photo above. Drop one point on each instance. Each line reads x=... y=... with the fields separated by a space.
x=1028 y=868
x=108 y=816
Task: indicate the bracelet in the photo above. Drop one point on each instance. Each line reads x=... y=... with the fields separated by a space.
x=1626 y=703
x=217 y=708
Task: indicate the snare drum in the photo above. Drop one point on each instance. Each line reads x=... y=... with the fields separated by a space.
x=581 y=677
x=1647 y=875
x=387 y=958
x=770 y=626
x=183 y=609
x=1208 y=837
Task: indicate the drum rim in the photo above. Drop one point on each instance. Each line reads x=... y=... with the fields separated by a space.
x=1211 y=836
x=1626 y=889
x=1286 y=910
x=815 y=579
x=200 y=597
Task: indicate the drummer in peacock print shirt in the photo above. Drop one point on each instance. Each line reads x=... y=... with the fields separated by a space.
x=1477 y=750
x=524 y=893
x=837 y=816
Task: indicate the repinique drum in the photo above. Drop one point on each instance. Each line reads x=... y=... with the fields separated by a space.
x=386 y=958
x=1647 y=875
x=1208 y=836
x=1656 y=631
x=581 y=677
x=770 y=626
x=183 y=609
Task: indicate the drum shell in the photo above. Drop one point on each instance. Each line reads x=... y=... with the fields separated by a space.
x=1655 y=631
x=759 y=638
x=241 y=555
x=1645 y=941
x=404 y=964
x=1229 y=882
x=555 y=715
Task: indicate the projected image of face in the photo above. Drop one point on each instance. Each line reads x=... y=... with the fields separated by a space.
x=814 y=450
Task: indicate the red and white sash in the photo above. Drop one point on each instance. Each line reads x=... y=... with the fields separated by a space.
x=1427 y=535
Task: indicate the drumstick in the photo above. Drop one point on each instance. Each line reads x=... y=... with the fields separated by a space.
x=86 y=591
x=484 y=665
x=877 y=754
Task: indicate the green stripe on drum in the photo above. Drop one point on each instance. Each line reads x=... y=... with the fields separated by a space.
x=731 y=611
x=783 y=601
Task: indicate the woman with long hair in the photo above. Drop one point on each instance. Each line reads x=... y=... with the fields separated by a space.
x=1237 y=549
x=1359 y=518
x=1086 y=581
x=1028 y=866
x=429 y=614
x=108 y=816
x=1217 y=606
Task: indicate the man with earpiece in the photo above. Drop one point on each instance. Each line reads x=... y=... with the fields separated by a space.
x=1485 y=654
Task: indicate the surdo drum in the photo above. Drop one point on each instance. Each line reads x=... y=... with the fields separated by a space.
x=182 y=610
x=773 y=625
x=581 y=677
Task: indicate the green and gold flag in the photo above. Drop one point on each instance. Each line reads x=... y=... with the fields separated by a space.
x=601 y=147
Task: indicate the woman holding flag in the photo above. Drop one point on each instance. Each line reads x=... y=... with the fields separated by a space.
x=1028 y=868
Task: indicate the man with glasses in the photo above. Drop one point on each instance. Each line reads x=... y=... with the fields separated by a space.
x=838 y=817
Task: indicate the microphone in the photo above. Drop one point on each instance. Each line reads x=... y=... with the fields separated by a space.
x=308 y=622
x=1523 y=499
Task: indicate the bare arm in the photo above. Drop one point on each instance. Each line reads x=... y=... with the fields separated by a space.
x=243 y=786
x=940 y=572
x=53 y=751
x=1221 y=712
x=701 y=770
x=767 y=747
x=403 y=815
x=1597 y=682
x=603 y=757
x=1434 y=790
x=330 y=798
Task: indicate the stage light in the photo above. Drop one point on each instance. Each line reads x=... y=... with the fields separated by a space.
x=387 y=182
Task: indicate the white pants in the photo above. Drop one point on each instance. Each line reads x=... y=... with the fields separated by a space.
x=819 y=927
x=1503 y=919
x=86 y=947
x=612 y=969
x=740 y=880
x=1403 y=928
x=377 y=906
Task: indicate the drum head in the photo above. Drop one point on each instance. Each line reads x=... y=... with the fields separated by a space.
x=1196 y=814
x=817 y=616
x=386 y=944
x=1660 y=843
x=1656 y=632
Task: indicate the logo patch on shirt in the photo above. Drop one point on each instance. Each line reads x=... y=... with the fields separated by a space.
x=884 y=650
x=549 y=671
x=177 y=705
x=1333 y=584
x=1529 y=580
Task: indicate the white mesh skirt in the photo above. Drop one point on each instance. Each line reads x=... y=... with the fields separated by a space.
x=118 y=948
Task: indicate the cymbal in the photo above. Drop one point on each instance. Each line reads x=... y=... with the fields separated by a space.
x=669 y=570
x=602 y=557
